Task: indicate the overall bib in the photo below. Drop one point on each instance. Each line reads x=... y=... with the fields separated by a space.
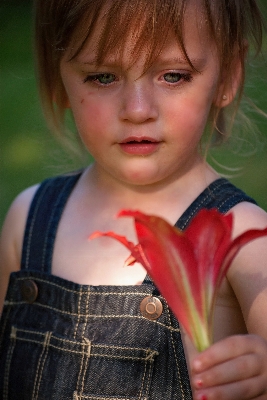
x=61 y=340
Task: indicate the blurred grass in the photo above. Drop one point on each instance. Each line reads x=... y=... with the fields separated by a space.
x=29 y=153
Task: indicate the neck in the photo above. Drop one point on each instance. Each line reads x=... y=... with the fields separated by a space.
x=176 y=193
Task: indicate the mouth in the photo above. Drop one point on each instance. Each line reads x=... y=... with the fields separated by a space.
x=140 y=145
x=139 y=139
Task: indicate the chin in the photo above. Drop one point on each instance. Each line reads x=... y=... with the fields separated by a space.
x=141 y=180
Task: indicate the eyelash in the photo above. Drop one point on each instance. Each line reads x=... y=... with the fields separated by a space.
x=95 y=78
x=185 y=77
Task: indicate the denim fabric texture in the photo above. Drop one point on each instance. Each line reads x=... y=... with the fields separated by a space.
x=61 y=340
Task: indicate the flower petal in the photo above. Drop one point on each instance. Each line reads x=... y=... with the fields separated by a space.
x=137 y=253
x=210 y=233
x=171 y=265
x=234 y=248
x=188 y=266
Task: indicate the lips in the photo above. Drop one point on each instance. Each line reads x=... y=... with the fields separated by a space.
x=139 y=145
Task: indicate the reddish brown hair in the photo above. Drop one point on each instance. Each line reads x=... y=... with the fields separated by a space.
x=232 y=25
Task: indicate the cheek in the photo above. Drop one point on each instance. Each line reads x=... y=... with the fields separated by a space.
x=90 y=114
x=189 y=117
x=195 y=118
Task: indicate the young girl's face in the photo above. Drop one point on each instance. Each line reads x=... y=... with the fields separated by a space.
x=144 y=126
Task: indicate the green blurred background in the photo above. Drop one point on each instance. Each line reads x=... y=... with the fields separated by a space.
x=29 y=153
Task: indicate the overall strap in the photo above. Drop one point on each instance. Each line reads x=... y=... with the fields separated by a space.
x=43 y=218
x=220 y=194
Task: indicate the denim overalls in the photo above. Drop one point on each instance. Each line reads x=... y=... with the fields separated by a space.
x=61 y=340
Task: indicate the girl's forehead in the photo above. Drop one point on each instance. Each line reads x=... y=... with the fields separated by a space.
x=139 y=38
x=170 y=52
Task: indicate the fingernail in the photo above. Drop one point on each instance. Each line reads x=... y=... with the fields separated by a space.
x=199 y=384
x=197 y=365
x=202 y=397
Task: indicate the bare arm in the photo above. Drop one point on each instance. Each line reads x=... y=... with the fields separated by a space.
x=12 y=237
x=248 y=273
x=235 y=368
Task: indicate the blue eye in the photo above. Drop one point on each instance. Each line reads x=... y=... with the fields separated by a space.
x=175 y=77
x=102 y=79
x=172 y=77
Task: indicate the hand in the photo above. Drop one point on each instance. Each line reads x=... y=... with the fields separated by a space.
x=233 y=369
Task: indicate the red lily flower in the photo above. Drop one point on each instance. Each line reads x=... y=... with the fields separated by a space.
x=186 y=266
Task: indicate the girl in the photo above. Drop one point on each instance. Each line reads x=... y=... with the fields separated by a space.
x=143 y=80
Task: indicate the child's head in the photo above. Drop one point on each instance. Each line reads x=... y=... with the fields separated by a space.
x=64 y=24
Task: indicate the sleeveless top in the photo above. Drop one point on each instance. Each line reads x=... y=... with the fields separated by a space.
x=62 y=340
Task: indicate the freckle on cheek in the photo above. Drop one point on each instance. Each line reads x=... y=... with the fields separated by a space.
x=82 y=101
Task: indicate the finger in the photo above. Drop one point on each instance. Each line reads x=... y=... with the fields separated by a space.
x=228 y=349
x=254 y=388
x=235 y=370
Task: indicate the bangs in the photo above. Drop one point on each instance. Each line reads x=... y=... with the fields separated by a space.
x=65 y=26
x=149 y=23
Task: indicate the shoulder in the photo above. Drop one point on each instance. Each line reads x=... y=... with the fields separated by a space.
x=248 y=216
x=12 y=236
x=16 y=217
x=15 y=222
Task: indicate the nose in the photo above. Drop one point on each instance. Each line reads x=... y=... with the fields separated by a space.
x=138 y=103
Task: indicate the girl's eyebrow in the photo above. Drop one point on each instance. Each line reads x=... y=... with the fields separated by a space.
x=198 y=63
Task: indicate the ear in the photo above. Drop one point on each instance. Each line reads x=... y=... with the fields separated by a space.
x=229 y=85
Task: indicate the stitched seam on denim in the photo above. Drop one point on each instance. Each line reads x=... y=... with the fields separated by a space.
x=41 y=363
x=143 y=382
x=8 y=362
x=177 y=365
x=231 y=204
x=87 y=295
x=85 y=291
x=199 y=205
x=149 y=357
x=36 y=372
x=79 y=314
x=211 y=191
x=87 y=360
x=151 y=354
x=119 y=357
x=84 y=364
x=92 y=353
x=170 y=328
x=148 y=381
x=81 y=397
x=101 y=346
x=9 y=305
x=30 y=331
x=5 y=322
x=81 y=352
x=80 y=371
x=28 y=248
x=176 y=358
x=51 y=218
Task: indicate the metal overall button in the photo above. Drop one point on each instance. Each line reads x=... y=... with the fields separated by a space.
x=151 y=307
x=29 y=290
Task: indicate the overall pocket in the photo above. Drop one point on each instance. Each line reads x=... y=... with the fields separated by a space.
x=42 y=366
